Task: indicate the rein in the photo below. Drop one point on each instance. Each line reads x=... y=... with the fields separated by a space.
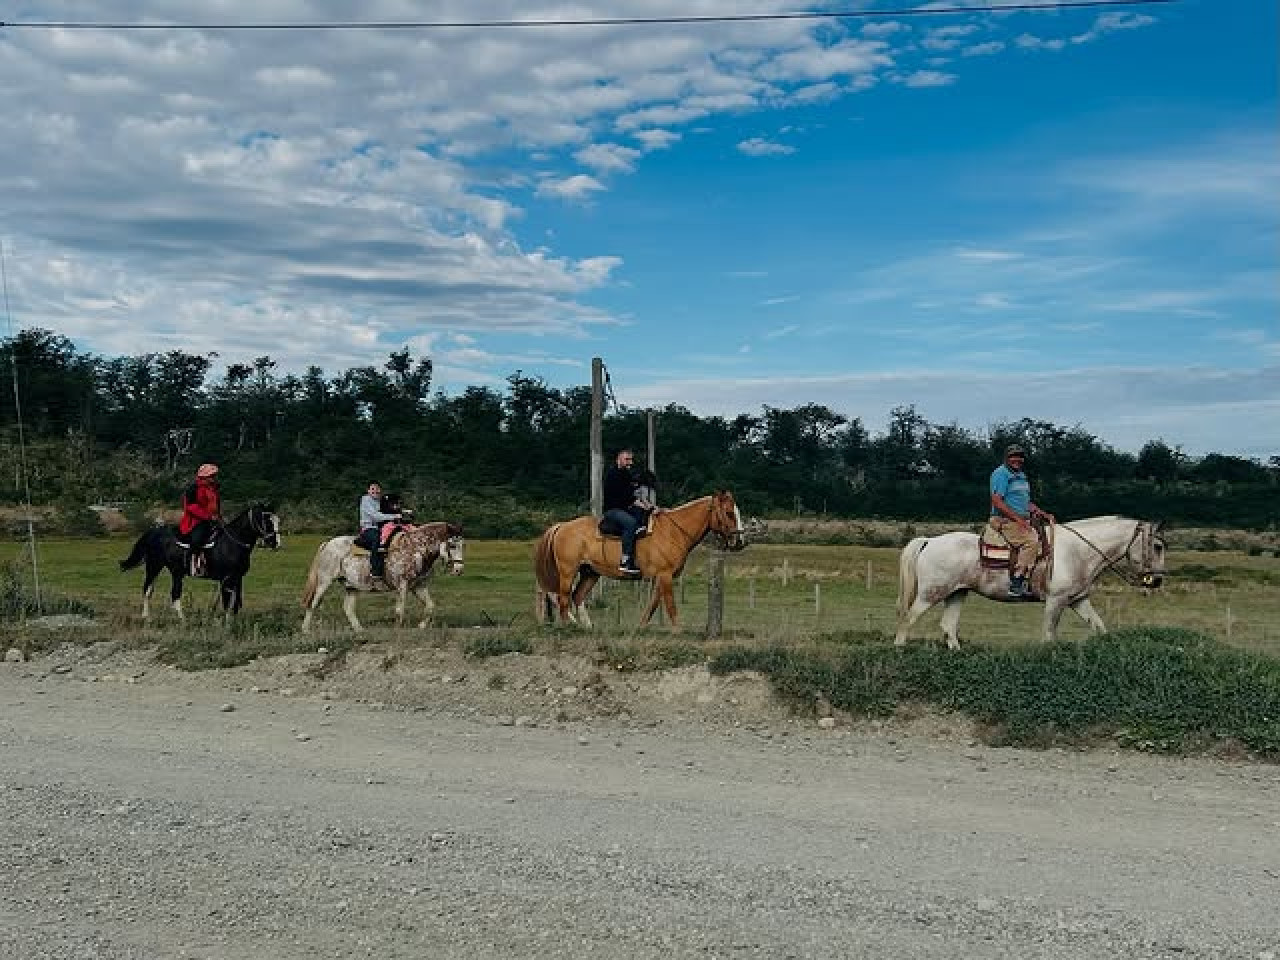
x=260 y=534
x=692 y=539
x=1127 y=574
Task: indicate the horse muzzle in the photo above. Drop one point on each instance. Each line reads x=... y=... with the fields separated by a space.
x=455 y=568
x=1151 y=581
x=735 y=541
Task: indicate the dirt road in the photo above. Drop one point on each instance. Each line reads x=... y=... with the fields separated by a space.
x=140 y=820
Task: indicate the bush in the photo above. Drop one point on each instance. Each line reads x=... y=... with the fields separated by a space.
x=1155 y=689
x=18 y=599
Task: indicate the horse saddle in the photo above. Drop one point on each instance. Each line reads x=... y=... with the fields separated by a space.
x=994 y=552
x=204 y=546
x=609 y=530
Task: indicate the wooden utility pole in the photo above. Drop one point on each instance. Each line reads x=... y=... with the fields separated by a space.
x=597 y=436
x=651 y=443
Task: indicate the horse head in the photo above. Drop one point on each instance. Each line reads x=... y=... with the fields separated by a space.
x=726 y=521
x=1147 y=552
x=453 y=548
x=266 y=524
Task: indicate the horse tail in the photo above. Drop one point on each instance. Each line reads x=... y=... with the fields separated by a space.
x=138 y=554
x=907 y=574
x=313 y=581
x=544 y=561
x=546 y=573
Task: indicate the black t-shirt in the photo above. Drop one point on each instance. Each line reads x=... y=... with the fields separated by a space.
x=619 y=488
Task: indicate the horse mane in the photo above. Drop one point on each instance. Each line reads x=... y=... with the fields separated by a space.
x=1096 y=521
x=693 y=502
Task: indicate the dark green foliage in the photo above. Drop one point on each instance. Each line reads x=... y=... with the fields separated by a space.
x=505 y=463
x=1154 y=688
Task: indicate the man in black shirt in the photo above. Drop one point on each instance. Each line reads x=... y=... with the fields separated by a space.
x=619 y=497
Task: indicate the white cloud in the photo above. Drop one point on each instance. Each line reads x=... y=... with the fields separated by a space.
x=1125 y=406
x=990 y=48
x=929 y=78
x=883 y=28
x=760 y=147
x=949 y=37
x=608 y=157
x=1113 y=22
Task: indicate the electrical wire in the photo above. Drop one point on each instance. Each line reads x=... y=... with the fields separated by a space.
x=933 y=11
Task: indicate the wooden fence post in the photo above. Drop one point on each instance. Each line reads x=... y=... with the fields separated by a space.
x=715 y=594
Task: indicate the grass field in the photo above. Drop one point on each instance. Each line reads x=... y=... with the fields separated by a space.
x=774 y=592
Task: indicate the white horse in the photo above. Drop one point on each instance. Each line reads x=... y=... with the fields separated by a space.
x=945 y=569
x=409 y=561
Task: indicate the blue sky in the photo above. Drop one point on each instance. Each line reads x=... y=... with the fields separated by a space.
x=1067 y=215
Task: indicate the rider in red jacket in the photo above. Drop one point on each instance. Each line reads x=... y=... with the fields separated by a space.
x=201 y=509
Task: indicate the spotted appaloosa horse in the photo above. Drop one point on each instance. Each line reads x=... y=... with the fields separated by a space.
x=945 y=569
x=410 y=558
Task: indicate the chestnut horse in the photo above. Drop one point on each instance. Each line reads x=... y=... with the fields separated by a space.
x=577 y=549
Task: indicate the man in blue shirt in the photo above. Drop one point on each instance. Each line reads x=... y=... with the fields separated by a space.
x=1013 y=514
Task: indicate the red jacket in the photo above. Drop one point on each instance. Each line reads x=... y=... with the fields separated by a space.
x=205 y=505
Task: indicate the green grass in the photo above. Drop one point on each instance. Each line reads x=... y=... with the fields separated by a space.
x=1154 y=689
x=497 y=592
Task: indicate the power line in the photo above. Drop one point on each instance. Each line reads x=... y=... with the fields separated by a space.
x=935 y=11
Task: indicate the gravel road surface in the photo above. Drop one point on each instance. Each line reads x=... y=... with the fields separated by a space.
x=144 y=820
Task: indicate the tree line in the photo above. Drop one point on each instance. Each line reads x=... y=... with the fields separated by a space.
x=133 y=428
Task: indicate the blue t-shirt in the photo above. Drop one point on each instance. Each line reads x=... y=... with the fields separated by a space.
x=1014 y=487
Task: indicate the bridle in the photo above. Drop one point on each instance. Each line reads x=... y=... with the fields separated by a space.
x=725 y=538
x=255 y=524
x=451 y=548
x=1135 y=575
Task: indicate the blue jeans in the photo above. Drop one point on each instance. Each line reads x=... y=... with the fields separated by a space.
x=626 y=525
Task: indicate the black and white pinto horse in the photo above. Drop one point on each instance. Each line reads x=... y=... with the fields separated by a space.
x=226 y=560
x=945 y=569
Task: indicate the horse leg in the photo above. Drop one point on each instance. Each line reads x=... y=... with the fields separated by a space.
x=428 y=605
x=349 y=608
x=323 y=583
x=586 y=583
x=918 y=608
x=401 y=594
x=175 y=593
x=1054 y=607
x=1089 y=615
x=663 y=589
x=148 y=588
x=655 y=597
x=564 y=594
x=951 y=618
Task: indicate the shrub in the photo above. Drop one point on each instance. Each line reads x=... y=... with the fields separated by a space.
x=18 y=599
x=1153 y=688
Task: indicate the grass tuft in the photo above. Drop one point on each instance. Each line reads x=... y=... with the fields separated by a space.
x=496 y=645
